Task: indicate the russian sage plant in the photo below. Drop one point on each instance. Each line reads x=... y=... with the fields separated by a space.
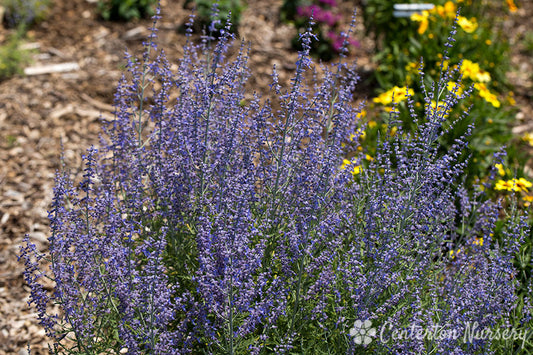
x=210 y=220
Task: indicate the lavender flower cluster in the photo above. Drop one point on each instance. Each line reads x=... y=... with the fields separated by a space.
x=212 y=221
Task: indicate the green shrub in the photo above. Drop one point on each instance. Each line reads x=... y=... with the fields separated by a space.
x=24 y=12
x=12 y=58
x=126 y=9
x=205 y=13
x=327 y=20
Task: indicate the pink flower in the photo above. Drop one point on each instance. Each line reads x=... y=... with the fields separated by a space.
x=337 y=40
x=308 y=11
x=328 y=17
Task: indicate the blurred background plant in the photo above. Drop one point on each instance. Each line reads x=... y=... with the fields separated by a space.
x=24 y=12
x=327 y=25
x=12 y=56
x=18 y=16
x=480 y=58
x=126 y=10
x=204 y=12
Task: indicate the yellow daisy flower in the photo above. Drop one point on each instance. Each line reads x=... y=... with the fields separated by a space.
x=467 y=25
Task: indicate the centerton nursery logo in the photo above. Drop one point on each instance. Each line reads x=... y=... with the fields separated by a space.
x=363 y=333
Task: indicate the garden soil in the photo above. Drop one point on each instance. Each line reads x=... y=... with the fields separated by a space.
x=44 y=115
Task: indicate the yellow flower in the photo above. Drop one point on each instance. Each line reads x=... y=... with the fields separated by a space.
x=345 y=163
x=439 y=9
x=423 y=19
x=467 y=25
x=483 y=76
x=440 y=107
x=472 y=70
x=485 y=93
x=510 y=99
x=513 y=185
x=372 y=124
x=478 y=241
x=361 y=114
x=368 y=157
x=523 y=184
x=527 y=200
x=454 y=88
x=450 y=9
x=445 y=64
x=357 y=170
x=453 y=253
x=528 y=137
x=359 y=133
x=504 y=185
x=488 y=42
x=412 y=67
x=396 y=93
x=500 y=168
x=511 y=5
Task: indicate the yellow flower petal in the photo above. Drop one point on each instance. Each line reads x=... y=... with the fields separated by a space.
x=467 y=25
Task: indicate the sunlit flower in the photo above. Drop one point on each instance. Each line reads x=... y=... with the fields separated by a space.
x=485 y=93
x=502 y=185
x=412 y=67
x=513 y=185
x=357 y=170
x=472 y=71
x=483 y=76
x=441 y=106
x=397 y=94
x=523 y=184
x=345 y=163
x=423 y=19
x=454 y=253
x=454 y=88
x=511 y=5
x=527 y=200
x=500 y=168
x=444 y=64
x=528 y=137
x=467 y=25
x=360 y=134
x=448 y=10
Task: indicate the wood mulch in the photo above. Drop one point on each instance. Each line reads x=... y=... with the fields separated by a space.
x=38 y=113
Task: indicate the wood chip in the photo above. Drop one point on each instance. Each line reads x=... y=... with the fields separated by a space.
x=52 y=68
x=98 y=104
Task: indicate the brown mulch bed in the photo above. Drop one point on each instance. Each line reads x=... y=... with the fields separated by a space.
x=38 y=113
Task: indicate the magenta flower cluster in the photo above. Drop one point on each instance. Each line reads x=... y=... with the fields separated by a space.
x=319 y=14
x=322 y=14
x=212 y=220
